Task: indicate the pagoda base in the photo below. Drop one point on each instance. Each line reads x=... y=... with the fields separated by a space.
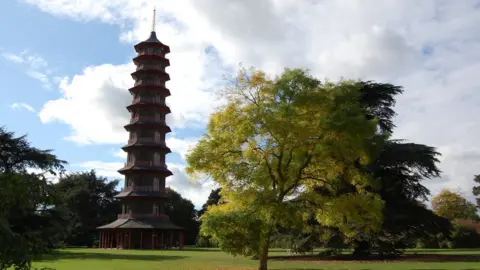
x=141 y=234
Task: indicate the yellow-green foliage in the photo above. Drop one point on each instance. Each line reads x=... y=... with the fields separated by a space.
x=274 y=141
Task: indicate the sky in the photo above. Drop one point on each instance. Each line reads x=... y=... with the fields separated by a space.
x=65 y=69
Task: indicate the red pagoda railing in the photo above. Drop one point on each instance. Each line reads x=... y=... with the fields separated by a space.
x=147 y=100
x=144 y=163
x=150 y=66
x=152 y=52
x=150 y=82
x=145 y=189
x=132 y=215
x=146 y=140
x=147 y=118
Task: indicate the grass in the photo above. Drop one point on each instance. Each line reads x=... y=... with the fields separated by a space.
x=209 y=259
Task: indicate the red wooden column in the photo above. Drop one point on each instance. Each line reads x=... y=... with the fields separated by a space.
x=100 y=240
x=111 y=239
x=180 y=240
x=161 y=241
x=129 y=239
x=153 y=239
x=141 y=239
x=171 y=239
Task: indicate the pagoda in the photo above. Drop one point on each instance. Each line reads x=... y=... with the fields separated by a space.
x=143 y=224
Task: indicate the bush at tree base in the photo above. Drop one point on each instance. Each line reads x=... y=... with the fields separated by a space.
x=203 y=241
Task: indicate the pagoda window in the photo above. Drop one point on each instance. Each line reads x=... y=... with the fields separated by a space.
x=155 y=209
x=156 y=184
x=158 y=117
x=123 y=208
x=157 y=159
x=131 y=157
x=158 y=137
x=129 y=182
x=129 y=210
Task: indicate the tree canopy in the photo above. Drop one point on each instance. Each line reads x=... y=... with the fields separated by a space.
x=452 y=205
x=17 y=155
x=272 y=145
x=90 y=200
x=182 y=212
x=32 y=219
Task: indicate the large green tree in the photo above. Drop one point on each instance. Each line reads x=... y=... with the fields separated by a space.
x=90 y=200
x=274 y=142
x=453 y=205
x=32 y=219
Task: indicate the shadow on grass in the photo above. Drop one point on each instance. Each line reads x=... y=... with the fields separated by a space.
x=65 y=255
x=405 y=258
x=200 y=249
x=457 y=250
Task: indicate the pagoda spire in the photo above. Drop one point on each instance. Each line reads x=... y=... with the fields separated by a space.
x=154 y=22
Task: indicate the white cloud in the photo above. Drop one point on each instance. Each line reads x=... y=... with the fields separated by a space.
x=181 y=146
x=176 y=145
x=430 y=47
x=36 y=67
x=50 y=177
x=21 y=106
x=13 y=57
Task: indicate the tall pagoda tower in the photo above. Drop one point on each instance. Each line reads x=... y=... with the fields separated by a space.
x=143 y=223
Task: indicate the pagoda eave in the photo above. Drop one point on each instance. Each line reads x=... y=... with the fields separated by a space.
x=141 y=224
x=160 y=73
x=151 y=57
x=150 y=88
x=144 y=44
x=166 y=149
x=145 y=169
x=150 y=125
x=151 y=105
x=141 y=195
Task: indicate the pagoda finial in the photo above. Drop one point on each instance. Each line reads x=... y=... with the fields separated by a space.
x=154 y=19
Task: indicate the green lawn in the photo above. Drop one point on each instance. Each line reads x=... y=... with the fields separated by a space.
x=193 y=258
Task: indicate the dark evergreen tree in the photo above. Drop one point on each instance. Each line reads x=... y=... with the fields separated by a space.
x=90 y=200
x=182 y=211
x=213 y=199
x=32 y=219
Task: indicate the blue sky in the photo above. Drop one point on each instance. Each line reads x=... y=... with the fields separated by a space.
x=65 y=69
x=68 y=47
x=55 y=48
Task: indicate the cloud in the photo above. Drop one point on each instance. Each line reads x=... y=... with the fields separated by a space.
x=432 y=48
x=22 y=106
x=50 y=177
x=13 y=58
x=176 y=145
x=36 y=67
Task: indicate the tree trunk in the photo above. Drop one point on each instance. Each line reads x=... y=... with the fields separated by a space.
x=264 y=254
x=263 y=258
